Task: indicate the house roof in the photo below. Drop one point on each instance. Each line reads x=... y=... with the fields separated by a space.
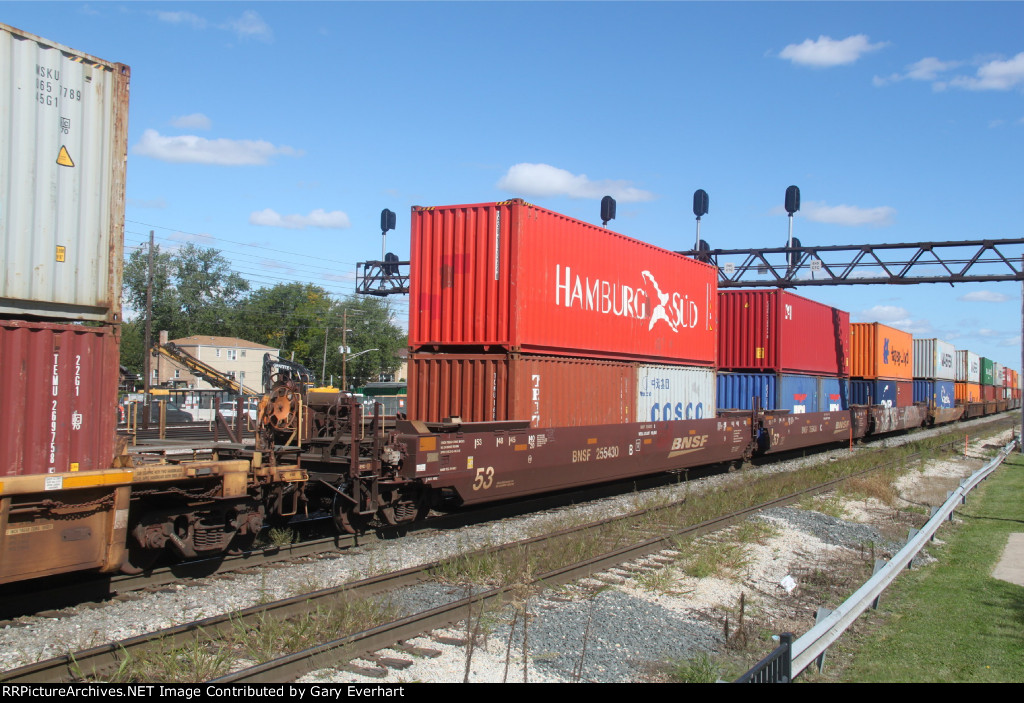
x=205 y=341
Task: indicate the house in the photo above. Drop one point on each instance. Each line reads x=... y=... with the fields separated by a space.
x=236 y=358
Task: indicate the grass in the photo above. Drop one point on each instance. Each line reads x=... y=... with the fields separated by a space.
x=951 y=622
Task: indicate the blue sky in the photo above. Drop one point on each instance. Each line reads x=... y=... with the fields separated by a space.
x=277 y=131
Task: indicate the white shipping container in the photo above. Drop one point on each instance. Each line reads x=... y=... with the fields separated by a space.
x=934 y=360
x=968 y=367
x=674 y=393
x=63 y=146
x=997 y=374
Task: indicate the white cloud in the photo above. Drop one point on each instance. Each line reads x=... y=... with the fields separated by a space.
x=848 y=215
x=984 y=296
x=196 y=21
x=885 y=313
x=928 y=69
x=542 y=180
x=994 y=75
x=196 y=120
x=251 y=25
x=826 y=51
x=318 y=218
x=189 y=149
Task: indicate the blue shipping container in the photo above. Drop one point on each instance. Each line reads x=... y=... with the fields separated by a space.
x=798 y=394
x=878 y=392
x=735 y=390
x=939 y=392
x=833 y=394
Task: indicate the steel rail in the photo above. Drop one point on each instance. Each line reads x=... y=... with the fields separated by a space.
x=108 y=656
x=294 y=665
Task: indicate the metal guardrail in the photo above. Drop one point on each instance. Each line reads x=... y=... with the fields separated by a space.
x=813 y=644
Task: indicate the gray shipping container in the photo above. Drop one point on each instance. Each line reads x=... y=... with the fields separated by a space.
x=674 y=393
x=934 y=359
x=968 y=367
x=63 y=146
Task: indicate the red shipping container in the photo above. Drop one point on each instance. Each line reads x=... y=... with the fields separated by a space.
x=64 y=380
x=904 y=394
x=880 y=351
x=525 y=279
x=775 y=330
x=988 y=393
x=548 y=391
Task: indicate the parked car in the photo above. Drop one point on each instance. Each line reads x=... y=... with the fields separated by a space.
x=251 y=409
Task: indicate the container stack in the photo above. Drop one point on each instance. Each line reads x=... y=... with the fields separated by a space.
x=934 y=373
x=788 y=352
x=61 y=230
x=968 y=377
x=988 y=376
x=882 y=366
x=519 y=313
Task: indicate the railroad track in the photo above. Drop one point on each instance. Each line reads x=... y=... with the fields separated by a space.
x=48 y=596
x=650 y=535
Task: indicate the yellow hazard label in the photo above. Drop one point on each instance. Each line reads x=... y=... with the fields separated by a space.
x=74 y=466
x=64 y=158
x=60 y=253
x=759 y=352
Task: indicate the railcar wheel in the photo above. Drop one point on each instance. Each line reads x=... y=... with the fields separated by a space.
x=140 y=559
x=347 y=519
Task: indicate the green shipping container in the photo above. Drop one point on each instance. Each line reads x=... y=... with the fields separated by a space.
x=987 y=372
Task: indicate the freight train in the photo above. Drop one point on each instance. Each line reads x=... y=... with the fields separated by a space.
x=546 y=354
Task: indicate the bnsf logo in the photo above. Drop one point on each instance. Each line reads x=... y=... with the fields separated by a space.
x=685 y=445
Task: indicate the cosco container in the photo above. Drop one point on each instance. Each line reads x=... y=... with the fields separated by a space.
x=934 y=359
x=63 y=145
x=987 y=372
x=968 y=367
x=775 y=330
x=64 y=417
x=941 y=394
x=879 y=351
x=544 y=390
x=674 y=393
x=524 y=279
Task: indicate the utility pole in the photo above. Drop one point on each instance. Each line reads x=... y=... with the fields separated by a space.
x=344 y=347
x=149 y=334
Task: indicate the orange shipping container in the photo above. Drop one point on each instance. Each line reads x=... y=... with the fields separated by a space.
x=879 y=351
x=967 y=392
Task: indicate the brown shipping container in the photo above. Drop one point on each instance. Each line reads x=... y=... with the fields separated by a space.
x=63 y=379
x=524 y=279
x=967 y=392
x=904 y=394
x=879 y=351
x=548 y=391
x=63 y=147
x=775 y=330
x=988 y=393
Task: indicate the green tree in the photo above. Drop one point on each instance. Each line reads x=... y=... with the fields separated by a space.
x=372 y=325
x=194 y=290
x=132 y=338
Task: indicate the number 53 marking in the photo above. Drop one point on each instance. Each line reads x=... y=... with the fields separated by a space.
x=484 y=478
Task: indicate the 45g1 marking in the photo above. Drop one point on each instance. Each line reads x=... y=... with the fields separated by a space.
x=484 y=478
